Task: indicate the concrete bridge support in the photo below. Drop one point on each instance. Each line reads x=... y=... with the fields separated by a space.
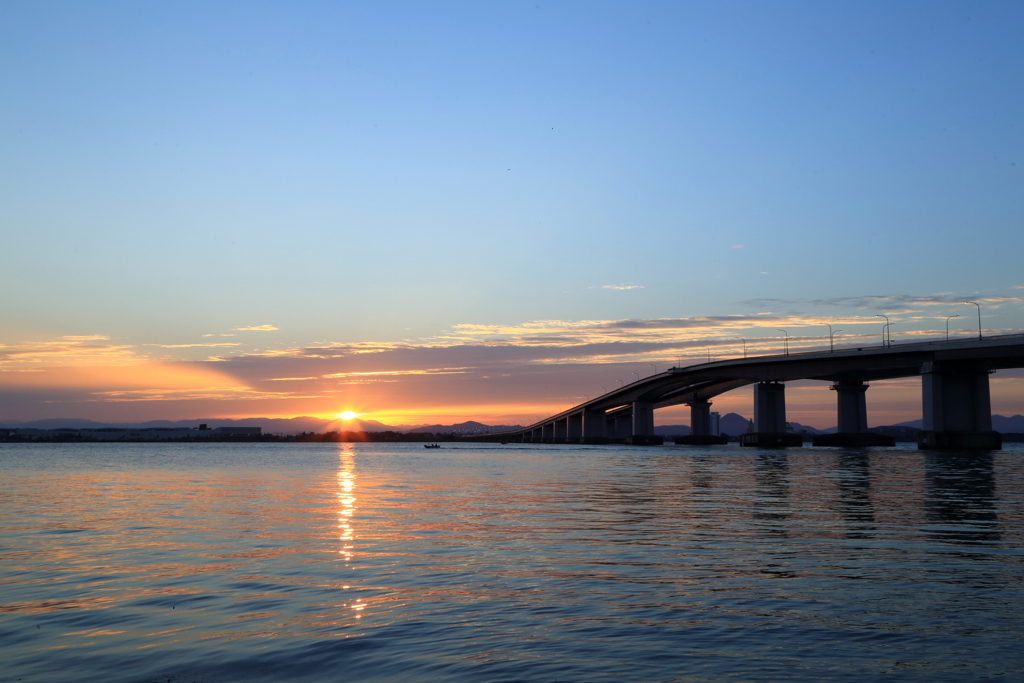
x=594 y=426
x=574 y=430
x=853 y=406
x=700 y=426
x=643 y=418
x=853 y=419
x=769 y=407
x=770 y=418
x=561 y=429
x=642 y=427
x=957 y=407
x=700 y=418
x=548 y=433
x=623 y=426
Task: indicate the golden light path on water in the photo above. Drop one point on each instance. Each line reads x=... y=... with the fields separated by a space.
x=346 y=509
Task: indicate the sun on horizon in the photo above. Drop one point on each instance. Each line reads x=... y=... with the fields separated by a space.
x=347 y=415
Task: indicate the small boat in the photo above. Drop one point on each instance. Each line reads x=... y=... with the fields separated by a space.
x=431 y=445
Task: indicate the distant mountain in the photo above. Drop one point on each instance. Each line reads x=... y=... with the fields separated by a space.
x=730 y=423
x=1000 y=423
x=733 y=424
x=270 y=425
x=671 y=430
x=797 y=427
x=470 y=427
x=1008 y=424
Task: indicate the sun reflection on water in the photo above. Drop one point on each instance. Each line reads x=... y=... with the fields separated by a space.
x=346 y=499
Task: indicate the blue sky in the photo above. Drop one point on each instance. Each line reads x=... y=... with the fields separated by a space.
x=400 y=173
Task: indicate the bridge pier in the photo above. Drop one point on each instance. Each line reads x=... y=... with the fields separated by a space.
x=574 y=428
x=853 y=419
x=548 y=433
x=594 y=426
x=642 y=432
x=957 y=407
x=623 y=426
x=700 y=426
x=770 y=418
x=561 y=429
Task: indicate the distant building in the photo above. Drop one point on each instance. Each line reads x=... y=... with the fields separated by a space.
x=716 y=426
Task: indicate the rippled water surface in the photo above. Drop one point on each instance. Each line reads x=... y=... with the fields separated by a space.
x=378 y=562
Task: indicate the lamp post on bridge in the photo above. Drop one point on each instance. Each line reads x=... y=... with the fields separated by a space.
x=884 y=329
x=979 y=315
x=655 y=368
x=708 y=349
x=620 y=383
x=637 y=375
x=831 y=345
x=787 y=339
x=947 y=326
x=744 y=345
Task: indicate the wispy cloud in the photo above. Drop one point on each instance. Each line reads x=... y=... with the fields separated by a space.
x=65 y=351
x=86 y=337
x=483 y=368
x=897 y=302
x=625 y=286
x=191 y=346
x=256 y=328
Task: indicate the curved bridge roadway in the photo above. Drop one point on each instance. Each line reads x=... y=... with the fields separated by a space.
x=955 y=391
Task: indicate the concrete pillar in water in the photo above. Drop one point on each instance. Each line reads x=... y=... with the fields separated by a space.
x=852 y=410
x=702 y=432
x=643 y=418
x=770 y=418
x=700 y=418
x=561 y=427
x=575 y=427
x=769 y=407
x=623 y=426
x=593 y=425
x=957 y=408
x=852 y=405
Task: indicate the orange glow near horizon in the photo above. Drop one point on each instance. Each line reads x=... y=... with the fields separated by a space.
x=347 y=415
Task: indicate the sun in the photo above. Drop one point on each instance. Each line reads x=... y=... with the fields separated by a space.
x=347 y=415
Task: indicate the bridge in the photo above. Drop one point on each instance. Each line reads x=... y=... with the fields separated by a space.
x=955 y=396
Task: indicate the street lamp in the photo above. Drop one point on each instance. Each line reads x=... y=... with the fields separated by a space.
x=947 y=326
x=979 y=315
x=604 y=390
x=708 y=349
x=637 y=375
x=655 y=368
x=744 y=345
x=620 y=383
x=831 y=348
x=882 y=315
x=885 y=327
x=786 y=341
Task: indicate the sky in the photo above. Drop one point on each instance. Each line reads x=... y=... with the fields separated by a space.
x=436 y=212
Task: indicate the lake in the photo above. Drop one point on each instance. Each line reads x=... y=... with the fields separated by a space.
x=220 y=562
